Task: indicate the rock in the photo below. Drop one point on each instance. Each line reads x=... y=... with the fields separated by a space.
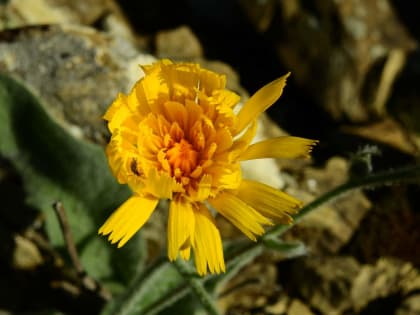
x=298 y=308
x=410 y=306
x=279 y=306
x=104 y=15
x=405 y=97
x=179 y=43
x=286 y=305
x=327 y=229
x=389 y=132
x=387 y=279
x=76 y=71
x=251 y=288
x=322 y=282
x=345 y=54
x=390 y=228
x=26 y=255
x=340 y=285
x=18 y=13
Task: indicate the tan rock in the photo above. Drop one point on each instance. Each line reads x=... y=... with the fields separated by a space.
x=345 y=54
x=104 y=15
x=251 y=288
x=298 y=308
x=386 y=278
x=179 y=43
x=324 y=282
x=330 y=227
x=26 y=255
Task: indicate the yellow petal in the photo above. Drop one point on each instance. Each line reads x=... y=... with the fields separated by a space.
x=176 y=112
x=223 y=139
x=242 y=143
x=160 y=184
x=182 y=80
x=268 y=201
x=128 y=219
x=185 y=252
x=225 y=175
x=137 y=101
x=211 y=81
x=225 y=97
x=181 y=224
x=156 y=66
x=116 y=160
x=260 y=102
x=148 y=91
x=207 y=245
x=203 y=189
x=281 y=147
x=118 y=113
x=243 y=216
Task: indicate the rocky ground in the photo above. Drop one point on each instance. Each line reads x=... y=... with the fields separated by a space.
x=355 y=69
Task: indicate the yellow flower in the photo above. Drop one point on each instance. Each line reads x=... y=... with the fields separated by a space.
x=176 y=136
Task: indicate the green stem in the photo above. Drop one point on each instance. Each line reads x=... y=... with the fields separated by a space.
x=196 y=285
x=372 y=180
x=167 y=300
x=136 y=289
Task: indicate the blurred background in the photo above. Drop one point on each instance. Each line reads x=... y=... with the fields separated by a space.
x=355 y=87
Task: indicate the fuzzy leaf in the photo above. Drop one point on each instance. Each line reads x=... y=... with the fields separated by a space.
x=54 y=166
x=238 y=255
x=287 y=249
x=157 y=288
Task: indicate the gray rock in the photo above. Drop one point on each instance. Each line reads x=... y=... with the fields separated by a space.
x=75 y=70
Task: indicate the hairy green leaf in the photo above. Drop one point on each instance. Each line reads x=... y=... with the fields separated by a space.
x=54 y=166
x=156 y=288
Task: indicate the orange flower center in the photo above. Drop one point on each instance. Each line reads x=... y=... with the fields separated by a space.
x=182 y=156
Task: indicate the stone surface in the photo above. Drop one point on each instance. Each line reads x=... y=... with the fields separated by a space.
x=341 y=285
x=56 y=11
x=345 y=54
x=76 y=71
x=18 y=13
x=388 y=278
x=323 y=282
x=250 y=289
x=390 y=229
x=179 y=43
x=298 y=308
x=26 y=255
x=329 y=228
x=389 y=132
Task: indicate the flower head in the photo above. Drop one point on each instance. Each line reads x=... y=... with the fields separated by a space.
x=175 y=136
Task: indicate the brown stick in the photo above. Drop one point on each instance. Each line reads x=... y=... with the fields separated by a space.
x=87 y=281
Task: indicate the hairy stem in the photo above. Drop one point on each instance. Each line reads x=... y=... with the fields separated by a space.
x=196 y=285
x=372 y=180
